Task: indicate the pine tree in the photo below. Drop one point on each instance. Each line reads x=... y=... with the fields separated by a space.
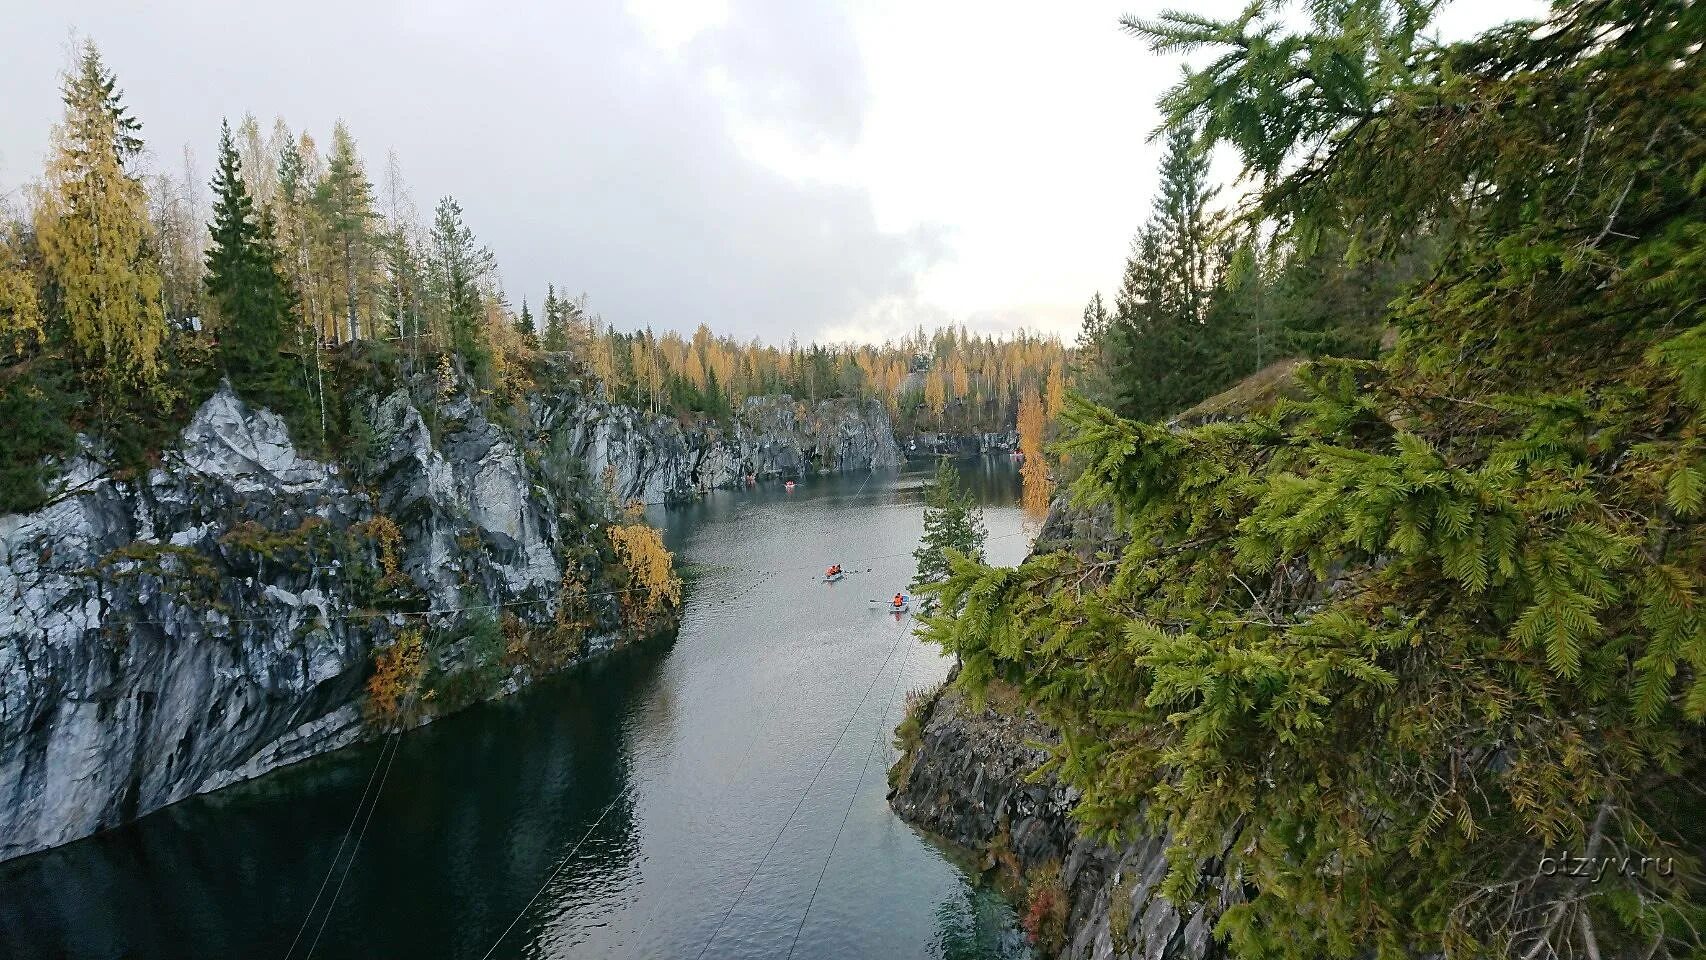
x=250 y=298
x=952 y=521
x=92 y=225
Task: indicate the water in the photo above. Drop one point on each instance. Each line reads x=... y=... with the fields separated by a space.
x=780 y=693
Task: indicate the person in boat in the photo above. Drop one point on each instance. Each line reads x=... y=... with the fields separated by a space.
x=899 y=601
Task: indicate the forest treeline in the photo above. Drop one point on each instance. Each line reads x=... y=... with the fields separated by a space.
x=1388 y=658
x=125 y=295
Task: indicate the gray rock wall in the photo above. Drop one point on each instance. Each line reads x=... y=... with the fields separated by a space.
x=967 y=781
x=657 y=460
x=168 y=634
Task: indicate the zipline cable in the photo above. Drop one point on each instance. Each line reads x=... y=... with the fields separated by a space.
x=333 y=866
x=394 y=745
x=858 y=784
x=702 y=812
x=338 y=891
x=550 y=879
x=801 y=802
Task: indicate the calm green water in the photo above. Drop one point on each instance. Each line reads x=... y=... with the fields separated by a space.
x=780 y=693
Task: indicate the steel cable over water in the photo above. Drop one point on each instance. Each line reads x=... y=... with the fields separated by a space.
x=333 y=866
x=553 y=876
x=858 y=784
x=803 y=794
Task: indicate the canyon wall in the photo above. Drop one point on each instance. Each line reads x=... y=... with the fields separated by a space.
x=169 y=631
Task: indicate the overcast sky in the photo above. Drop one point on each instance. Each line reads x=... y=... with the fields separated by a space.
x=769 y=167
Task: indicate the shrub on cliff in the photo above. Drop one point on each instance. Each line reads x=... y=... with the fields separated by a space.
x=1439 y=620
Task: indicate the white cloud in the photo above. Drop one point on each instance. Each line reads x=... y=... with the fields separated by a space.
x=766 y=166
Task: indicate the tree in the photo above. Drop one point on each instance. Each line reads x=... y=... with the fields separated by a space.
x=952 y=522
x=1160 y=341
x=297 y=227
x=92 y=225
x=1037 y=489
x=524 y=325
x=398 y=240
x=652 y=584
x=1093 y=362
x=1373 y=655
x=22 y=324
x=345 y=199
x=556 y=337
x=258 y=161
x=457 y=267
x=175 y=217
x=250 y=297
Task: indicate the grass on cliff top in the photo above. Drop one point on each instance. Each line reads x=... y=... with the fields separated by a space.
x=1258 y=391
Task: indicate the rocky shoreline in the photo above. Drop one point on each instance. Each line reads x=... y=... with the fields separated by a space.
x=965 y=776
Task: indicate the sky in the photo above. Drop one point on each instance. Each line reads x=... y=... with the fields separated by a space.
x=772 y=168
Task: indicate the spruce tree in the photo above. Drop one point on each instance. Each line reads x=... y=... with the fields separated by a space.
x=1092 y=369
x=952 y=522
x=524 y=325
x=458 y=265
x=251 y=300
x=555 y=338
x=1159 y=340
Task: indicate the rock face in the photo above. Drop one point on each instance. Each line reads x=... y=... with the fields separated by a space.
x=657 y=460
x=167 y=634
x=966 y=780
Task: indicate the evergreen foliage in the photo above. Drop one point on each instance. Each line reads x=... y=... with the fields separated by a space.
x=456 y=267
x=1160 y=327
x=243 y=284
x=953 y=523
x=1375 y=654
x=524 y=326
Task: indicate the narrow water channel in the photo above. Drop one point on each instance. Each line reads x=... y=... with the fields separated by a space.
x=669 y=773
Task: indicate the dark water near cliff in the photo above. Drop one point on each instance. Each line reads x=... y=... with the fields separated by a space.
x=673 y=769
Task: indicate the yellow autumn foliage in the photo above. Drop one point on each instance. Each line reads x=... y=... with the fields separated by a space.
x=20 y=307
x=651 y=569
x=93 y=227
x=397 y=672
x=1037 y=488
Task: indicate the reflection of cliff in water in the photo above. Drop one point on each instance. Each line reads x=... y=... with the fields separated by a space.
x=485 y=804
